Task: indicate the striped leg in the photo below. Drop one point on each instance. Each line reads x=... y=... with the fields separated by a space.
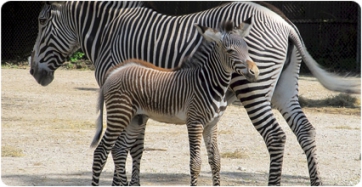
x=195 y=133
x=210 y=139
x=136 y=153
x=287 y=103
x=273 y=135
x=119 y=115
x=119 y=154
x=305 y=133
x=120 y=151
x=260 y=113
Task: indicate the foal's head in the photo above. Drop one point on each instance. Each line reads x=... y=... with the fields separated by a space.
x=232 y=47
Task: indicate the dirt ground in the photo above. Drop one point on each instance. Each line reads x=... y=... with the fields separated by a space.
x=50 y=130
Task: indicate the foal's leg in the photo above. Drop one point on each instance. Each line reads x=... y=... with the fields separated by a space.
x=124 y=142
x=137 y=151
x=119 y=115
x=210 y=139
x=195 y=132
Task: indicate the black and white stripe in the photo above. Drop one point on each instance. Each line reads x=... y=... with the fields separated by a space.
x=109 y=33
x=194 y=95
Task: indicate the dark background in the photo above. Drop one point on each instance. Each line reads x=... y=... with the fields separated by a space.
x=330 y=30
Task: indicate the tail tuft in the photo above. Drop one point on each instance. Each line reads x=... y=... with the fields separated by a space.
x=329 y=80
x=332 y=81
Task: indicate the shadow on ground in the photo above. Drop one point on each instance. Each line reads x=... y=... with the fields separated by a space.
x=150 y=179
x=86 y=88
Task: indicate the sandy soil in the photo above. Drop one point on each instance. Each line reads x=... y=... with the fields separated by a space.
x=52 y=127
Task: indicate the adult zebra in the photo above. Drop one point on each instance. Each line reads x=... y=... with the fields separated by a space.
x=274 y=43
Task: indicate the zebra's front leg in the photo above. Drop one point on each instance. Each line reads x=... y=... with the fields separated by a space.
x=210 y=139
x=195 y=133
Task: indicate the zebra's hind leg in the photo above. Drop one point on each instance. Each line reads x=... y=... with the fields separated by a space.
x=119 y=155
x=210 y=139
x=119 y=115
x=195 y=133
x=137 y=151
x=274 y=138
x=305 y=134
x=262 y=117
x=285 y=99
x=120 y=151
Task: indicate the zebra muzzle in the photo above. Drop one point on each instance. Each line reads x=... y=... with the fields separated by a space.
x=253 y=71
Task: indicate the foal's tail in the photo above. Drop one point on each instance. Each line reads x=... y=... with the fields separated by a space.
x=99 y=121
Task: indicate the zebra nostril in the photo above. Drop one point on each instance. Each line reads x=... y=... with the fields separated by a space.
x=251 y=72
x=31 y=71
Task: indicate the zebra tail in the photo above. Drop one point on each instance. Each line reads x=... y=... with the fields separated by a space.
x=329 y=80
x=99 y=121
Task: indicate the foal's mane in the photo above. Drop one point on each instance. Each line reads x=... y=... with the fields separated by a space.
x=139 y=62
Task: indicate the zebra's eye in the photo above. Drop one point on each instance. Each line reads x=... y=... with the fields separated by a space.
x=229 y=51
x=42 y=21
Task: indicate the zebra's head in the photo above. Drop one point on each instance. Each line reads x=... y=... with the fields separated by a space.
x=56 y=40
x=232 y=47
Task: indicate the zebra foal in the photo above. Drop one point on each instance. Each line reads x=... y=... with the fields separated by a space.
x=193 y=94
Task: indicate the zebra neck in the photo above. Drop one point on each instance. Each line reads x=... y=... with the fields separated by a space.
x=90 y=18
x=214 y=77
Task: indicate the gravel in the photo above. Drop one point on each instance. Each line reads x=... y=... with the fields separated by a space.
x=53 y=127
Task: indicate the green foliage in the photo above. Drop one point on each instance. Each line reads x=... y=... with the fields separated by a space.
x=78 y=60
x=77 y=56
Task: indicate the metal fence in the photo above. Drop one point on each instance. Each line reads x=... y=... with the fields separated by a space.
x=330 y=30
x=19 y=29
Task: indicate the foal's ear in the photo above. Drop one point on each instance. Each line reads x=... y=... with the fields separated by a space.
x=208 y=33
x=244 y=28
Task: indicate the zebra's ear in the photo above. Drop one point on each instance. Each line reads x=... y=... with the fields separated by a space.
x=53 y=2
x=244 y=28
x=208 y=33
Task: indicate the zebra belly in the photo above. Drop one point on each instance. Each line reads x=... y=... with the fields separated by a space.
x=176 y=118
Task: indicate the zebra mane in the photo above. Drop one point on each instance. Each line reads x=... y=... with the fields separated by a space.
x=227 y=26
x=55 y=5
